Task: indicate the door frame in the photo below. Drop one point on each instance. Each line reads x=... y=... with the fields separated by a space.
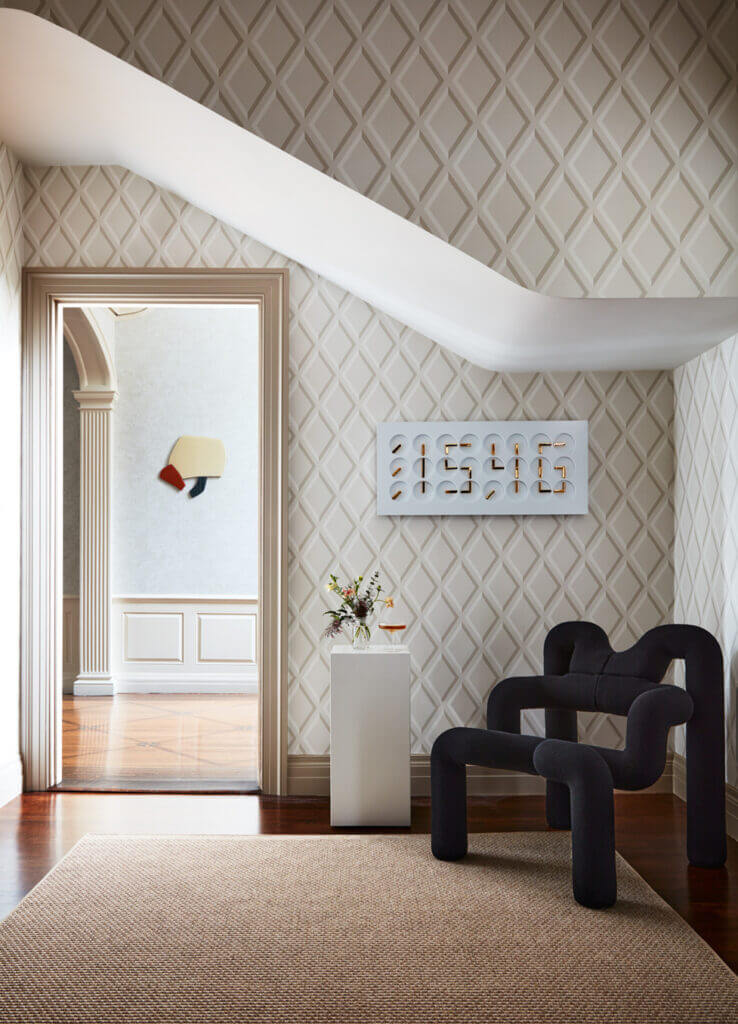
x=46 y=291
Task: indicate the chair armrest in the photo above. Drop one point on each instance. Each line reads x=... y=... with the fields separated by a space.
x=650 y=718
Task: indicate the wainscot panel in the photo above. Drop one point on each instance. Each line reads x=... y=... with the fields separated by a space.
x=175 y=643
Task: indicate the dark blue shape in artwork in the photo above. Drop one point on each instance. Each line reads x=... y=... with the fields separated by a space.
x=199 y=486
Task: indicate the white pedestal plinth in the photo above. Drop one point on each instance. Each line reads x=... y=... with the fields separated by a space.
x=370 y=736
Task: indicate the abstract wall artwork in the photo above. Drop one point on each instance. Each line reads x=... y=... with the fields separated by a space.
x=198 y=457
x=493 y=468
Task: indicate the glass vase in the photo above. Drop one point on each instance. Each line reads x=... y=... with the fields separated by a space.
x=362 y=634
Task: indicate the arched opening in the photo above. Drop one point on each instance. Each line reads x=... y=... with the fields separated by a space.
x=87 y=332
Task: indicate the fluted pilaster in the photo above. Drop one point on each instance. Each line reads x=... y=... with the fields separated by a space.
x=95 y=594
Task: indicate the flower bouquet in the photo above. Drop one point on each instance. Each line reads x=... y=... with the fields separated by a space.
x=355 y=613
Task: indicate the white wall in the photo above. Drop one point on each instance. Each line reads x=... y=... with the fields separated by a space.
x=185 y=371
x=180 y=371
x=11 y=259
x=706 y=505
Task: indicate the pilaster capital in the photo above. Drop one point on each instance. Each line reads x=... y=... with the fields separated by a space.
x=95 y=398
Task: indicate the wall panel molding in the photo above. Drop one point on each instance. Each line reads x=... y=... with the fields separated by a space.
x=221 y=672
x=157 y=644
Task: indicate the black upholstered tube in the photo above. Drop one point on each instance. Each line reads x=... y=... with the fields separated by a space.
x=561 y=723
x=706 y=837
x=589 y=782
x=650 y=718
x=451 y=753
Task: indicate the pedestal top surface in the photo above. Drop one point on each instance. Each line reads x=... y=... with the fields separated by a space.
x=373 y=649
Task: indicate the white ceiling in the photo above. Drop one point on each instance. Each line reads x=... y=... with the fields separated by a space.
x=88 y=107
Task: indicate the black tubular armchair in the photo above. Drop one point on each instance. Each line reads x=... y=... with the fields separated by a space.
x=583 y=673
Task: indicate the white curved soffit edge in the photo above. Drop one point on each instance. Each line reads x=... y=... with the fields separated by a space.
x=65 y=101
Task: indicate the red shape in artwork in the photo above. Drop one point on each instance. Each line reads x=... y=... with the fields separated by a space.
x=172 y=476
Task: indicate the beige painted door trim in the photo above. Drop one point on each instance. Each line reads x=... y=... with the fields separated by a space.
x=45 y=294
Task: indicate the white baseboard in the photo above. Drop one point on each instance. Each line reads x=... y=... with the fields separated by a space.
x=731 y=795
x=11 y=779
x=246 y=682
x=163 y=684
x=309 y=775
x=92 y=687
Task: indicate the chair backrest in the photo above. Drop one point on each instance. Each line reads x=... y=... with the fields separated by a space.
x=583 y=648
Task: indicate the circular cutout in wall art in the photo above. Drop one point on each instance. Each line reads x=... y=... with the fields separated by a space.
x=517 y=444
x=398 y=444
x=516 y=493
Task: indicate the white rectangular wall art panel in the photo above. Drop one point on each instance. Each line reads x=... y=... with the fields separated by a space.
x=489 y=468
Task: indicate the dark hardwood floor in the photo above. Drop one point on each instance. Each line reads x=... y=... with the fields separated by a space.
x=38 y=829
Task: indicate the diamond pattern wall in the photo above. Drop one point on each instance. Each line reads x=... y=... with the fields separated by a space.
x=11 y=247
x=481 y=592
x=581 y=147
x=706 y=500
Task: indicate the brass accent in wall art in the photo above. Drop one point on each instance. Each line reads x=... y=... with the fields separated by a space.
x=445 y=484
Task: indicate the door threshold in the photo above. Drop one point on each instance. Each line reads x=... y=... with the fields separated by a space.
x=207 y=787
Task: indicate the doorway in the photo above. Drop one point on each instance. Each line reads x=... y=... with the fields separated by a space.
x=168 y=699
x=152 y=641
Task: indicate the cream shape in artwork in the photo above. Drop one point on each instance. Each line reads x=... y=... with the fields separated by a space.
x=199 y=457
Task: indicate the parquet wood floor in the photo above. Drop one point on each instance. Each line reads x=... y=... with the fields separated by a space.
x=162 y=741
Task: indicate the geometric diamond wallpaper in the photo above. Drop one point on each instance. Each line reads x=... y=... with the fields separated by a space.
x=481 y=591
x=706 y=498
x=580 y=148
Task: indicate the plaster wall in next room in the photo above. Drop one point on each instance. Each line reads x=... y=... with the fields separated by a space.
x=184 y=570
x=179 y=371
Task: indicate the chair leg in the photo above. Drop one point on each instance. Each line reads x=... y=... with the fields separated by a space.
x=448 y=803
x=593 y=821
x=561 y=724
x=706 y=835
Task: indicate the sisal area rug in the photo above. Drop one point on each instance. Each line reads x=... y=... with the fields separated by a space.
x=347 y=929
